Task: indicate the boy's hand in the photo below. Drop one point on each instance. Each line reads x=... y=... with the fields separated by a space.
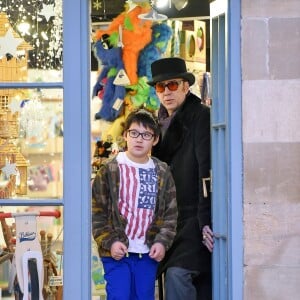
x=157 y=252
x=118 y=250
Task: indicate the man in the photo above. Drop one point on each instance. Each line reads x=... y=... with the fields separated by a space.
x=185 y=146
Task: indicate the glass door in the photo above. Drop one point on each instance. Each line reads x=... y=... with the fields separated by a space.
x=219 y=151
x=226 y=150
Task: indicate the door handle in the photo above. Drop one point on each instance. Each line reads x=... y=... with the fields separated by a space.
x=220 y=236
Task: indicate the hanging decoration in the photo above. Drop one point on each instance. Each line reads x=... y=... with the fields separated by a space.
x=153 y=15
x=97 y=4
x=39 y=23
x=140 y=42
x=13 y=64
x=14 y=106
x=9 y=169
x=9 y=44
x=55 y=40
x=33 y=121
x=118 y=49
x=47 y=11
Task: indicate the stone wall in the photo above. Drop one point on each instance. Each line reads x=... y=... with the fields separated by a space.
x=271 y=140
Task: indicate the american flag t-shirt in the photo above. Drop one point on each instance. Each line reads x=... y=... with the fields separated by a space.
x=137 y=197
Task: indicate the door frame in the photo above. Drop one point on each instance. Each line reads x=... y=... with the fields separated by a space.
x=228 y=263
x=77 y=247
x=77 y=153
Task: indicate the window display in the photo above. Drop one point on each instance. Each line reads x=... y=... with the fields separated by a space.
x=31 y=124
x=31 y=144
x=31 y=257
x=31 y=149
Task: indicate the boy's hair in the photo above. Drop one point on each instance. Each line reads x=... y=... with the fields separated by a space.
x=144 y=117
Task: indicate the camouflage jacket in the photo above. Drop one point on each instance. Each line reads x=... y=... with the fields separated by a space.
x=108 y=225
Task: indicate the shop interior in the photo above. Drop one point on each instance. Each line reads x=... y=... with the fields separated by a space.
x=31 y=120
x=176 y=31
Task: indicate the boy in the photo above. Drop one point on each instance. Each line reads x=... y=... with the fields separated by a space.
x=134 y=212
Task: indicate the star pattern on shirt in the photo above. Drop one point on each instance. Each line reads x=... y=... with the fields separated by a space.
x=47 y=11
x=9 y=44
x=14 y=106
x=9 y=169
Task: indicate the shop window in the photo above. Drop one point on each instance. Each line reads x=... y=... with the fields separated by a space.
x=31 y=149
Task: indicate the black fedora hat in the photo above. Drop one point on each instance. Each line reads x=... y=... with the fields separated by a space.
x=169 y=68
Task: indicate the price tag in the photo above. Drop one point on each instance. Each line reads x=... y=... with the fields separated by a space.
x=118 y=103
x=55 y=281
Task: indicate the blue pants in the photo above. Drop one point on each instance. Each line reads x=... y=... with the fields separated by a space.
x=131 y=278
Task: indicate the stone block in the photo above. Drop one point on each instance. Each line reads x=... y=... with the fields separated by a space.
x=254 y=49
x=267 y=8
x=271 y=111
x=284 y=48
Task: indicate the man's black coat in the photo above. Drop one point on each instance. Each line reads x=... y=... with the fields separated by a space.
x=186 y=148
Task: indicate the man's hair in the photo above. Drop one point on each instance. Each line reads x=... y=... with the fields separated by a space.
x=144 y=117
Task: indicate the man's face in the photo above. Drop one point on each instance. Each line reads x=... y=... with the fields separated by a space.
x=171 y=93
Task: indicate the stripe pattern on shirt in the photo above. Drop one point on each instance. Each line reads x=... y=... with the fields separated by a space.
x=137 y=197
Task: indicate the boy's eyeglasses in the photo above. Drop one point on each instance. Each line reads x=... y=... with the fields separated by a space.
x=147 y=136
x=171 y=85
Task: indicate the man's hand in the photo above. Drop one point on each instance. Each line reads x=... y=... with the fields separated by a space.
x=208 y=238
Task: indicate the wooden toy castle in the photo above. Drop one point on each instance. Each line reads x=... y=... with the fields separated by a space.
x=12 y=69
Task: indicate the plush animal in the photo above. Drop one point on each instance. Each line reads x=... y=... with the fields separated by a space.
x=161 y=34
x=112 y=95
x=135 y=35
x=138 y=93
x=116 y=127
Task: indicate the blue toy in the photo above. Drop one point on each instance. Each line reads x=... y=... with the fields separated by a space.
x=161 y=34
x=112 y=95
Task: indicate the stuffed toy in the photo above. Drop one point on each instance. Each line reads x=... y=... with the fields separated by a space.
x=161 y=34
x=138 y=93
x=112 y=95
x=116 y=127
x=135 y=35
x=118 y=145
